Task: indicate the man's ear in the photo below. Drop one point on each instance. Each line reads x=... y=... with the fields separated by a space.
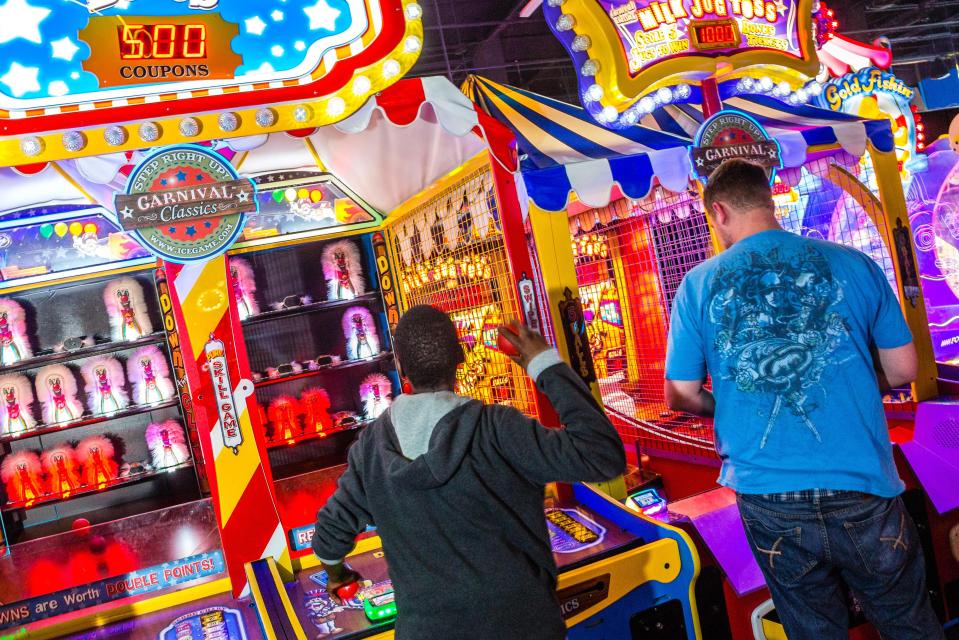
x=720 y=214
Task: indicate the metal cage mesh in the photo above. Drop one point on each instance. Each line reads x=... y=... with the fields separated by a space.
x=451 y=255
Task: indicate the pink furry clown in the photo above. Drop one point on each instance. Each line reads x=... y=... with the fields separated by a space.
x=149 y=374
x=20 y=473
x=104 y=382
x=375 y=392
x=315 y=403
x=16 y=416
x=60 y=465
x=127 y=309
x=14 y=341
x=167 y=444
x=57 y=390
x=244 y=286
x=342 y=270
x=97 y=466
x=359 y=329
x=282 y=412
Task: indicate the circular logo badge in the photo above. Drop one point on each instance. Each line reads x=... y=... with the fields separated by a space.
x=186 y=203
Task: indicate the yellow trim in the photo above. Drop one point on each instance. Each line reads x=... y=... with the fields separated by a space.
x=622 y=88
x=238 y=161
x=372 y=543
x=481 y=159
x=697 y=565
x=11 y=154
x=773 y=630
x=285 y=600
x=894 y=208
x=265 y=622
x=132 y=610
x=313 y=152
x=73 y=183
x=281 y=241
x=78 y=278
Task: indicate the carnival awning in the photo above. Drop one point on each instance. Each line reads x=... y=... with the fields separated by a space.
x=400 y=142
x=567 y=151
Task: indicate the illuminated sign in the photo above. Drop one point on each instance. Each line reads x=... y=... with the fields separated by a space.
x=81 y=64
x=731 y=135
x=185 y=203
x=624 y=50
x=145 y=50
x=875 y=94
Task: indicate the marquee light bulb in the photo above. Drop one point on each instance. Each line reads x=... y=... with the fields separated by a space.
x=581 y=43
x=302 y=113
x=265 y=117
x=149 y=131
x=115 y=136
x=414 y=11
x=335 y=107
x=391 y=69
x=32 y=146
x=664 y=95
x=565 y=22
x=609 y=114
x=590 y=67
x=361 y=85
x=412 y=44
x=74 y=140
x=595 y=93
x=766 y=83
x=228 y=121
x=189 y=127
x=647 y=105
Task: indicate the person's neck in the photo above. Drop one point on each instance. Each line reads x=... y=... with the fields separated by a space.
x=751 y=228
x=439 y=389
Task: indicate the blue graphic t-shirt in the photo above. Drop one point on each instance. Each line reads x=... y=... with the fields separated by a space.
x=784 y=324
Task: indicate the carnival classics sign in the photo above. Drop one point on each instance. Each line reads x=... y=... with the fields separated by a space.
x=731 y=134
x=185 y=203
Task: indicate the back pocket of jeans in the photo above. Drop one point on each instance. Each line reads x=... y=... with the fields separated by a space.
x=884 y=540
x=779 y=551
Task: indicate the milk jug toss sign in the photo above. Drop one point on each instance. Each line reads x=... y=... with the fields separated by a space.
x=733 y=135
x=185 y=203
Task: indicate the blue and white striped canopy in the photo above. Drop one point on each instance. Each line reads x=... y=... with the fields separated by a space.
x=564 y=150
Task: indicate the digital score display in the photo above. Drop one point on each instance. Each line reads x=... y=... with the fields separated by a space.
x=162 y=41
x=155 y=50
x=707 y=35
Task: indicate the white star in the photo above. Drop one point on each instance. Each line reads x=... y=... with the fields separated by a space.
x=264 y=69
x=254 y=26
x=299 y=45
x=276 y=50
x=243 y=196
x=277 y=15
x=58 y=88
x=20 y=20
x=74 y=75
x=21 y=79
x=699 y=162
x=64 y=49
x=322 y=16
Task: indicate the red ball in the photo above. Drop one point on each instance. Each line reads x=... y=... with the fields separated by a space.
x=80 y=523
x=98 y=544
x=347 y=591
x=504 y=345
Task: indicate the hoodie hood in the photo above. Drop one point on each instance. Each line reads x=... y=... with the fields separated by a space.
x=432 y=433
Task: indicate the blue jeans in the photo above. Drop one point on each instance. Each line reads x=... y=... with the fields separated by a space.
x=809 y=548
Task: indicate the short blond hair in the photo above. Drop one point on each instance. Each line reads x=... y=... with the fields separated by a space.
x=741 y=184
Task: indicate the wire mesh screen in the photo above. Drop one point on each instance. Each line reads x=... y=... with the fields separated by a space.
x=834 y=200
x=452 y=256
x=630 y=258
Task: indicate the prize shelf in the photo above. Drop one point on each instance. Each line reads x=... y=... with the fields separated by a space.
x=86 y=420
x=312 y=307
x=90 y=490
x=344 y=364
x=303 y=437
x=51 y=357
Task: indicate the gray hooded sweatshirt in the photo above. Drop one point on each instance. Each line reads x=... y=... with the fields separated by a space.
x=455 y=488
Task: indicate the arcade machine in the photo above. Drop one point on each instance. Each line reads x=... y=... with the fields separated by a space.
x=201 y=267
x=620 y=170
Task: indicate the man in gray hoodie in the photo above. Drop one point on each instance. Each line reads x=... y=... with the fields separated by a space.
x=455 y=489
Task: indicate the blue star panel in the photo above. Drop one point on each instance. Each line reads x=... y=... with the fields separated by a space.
x=41 y=56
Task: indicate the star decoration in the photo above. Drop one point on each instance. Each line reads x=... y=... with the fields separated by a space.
x=254 y=26
x=163 y=181
x=64 y=49
x=299 y=45
x=60 y=252
x=191 y=231
x=276 y=50
x=699 y=162
x=199 y=177
x=18 y=19
x=772 y=153
x=322 y=16
x=20 y=79
x=781 y=7
x=277 y=15
x=58 y=88
x=208 y=224
x=243 y=196
x=180 y=175
x=127 y=212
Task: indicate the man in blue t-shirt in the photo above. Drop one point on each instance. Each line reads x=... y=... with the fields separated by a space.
x=798 y=336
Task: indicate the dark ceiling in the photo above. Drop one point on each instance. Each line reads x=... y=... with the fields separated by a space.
x=488 y=37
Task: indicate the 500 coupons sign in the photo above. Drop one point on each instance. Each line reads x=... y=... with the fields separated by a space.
x=185 y=203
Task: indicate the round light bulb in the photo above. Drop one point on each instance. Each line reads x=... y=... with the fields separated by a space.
x=228 y=121
x=32 y=146
x=336 y=107
x=74 y=141
x=414 y=11
x=361 y=85
x=664 y=95
x=115 y=135
x=594 y=93
x=609 y=114
x=265 y=117
x=412 y=44
x=391 y=69
x=565 y=22
x=189 y=127
x=302 y=113
x=581 y=43
x=590 y=67
x=149 y=131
